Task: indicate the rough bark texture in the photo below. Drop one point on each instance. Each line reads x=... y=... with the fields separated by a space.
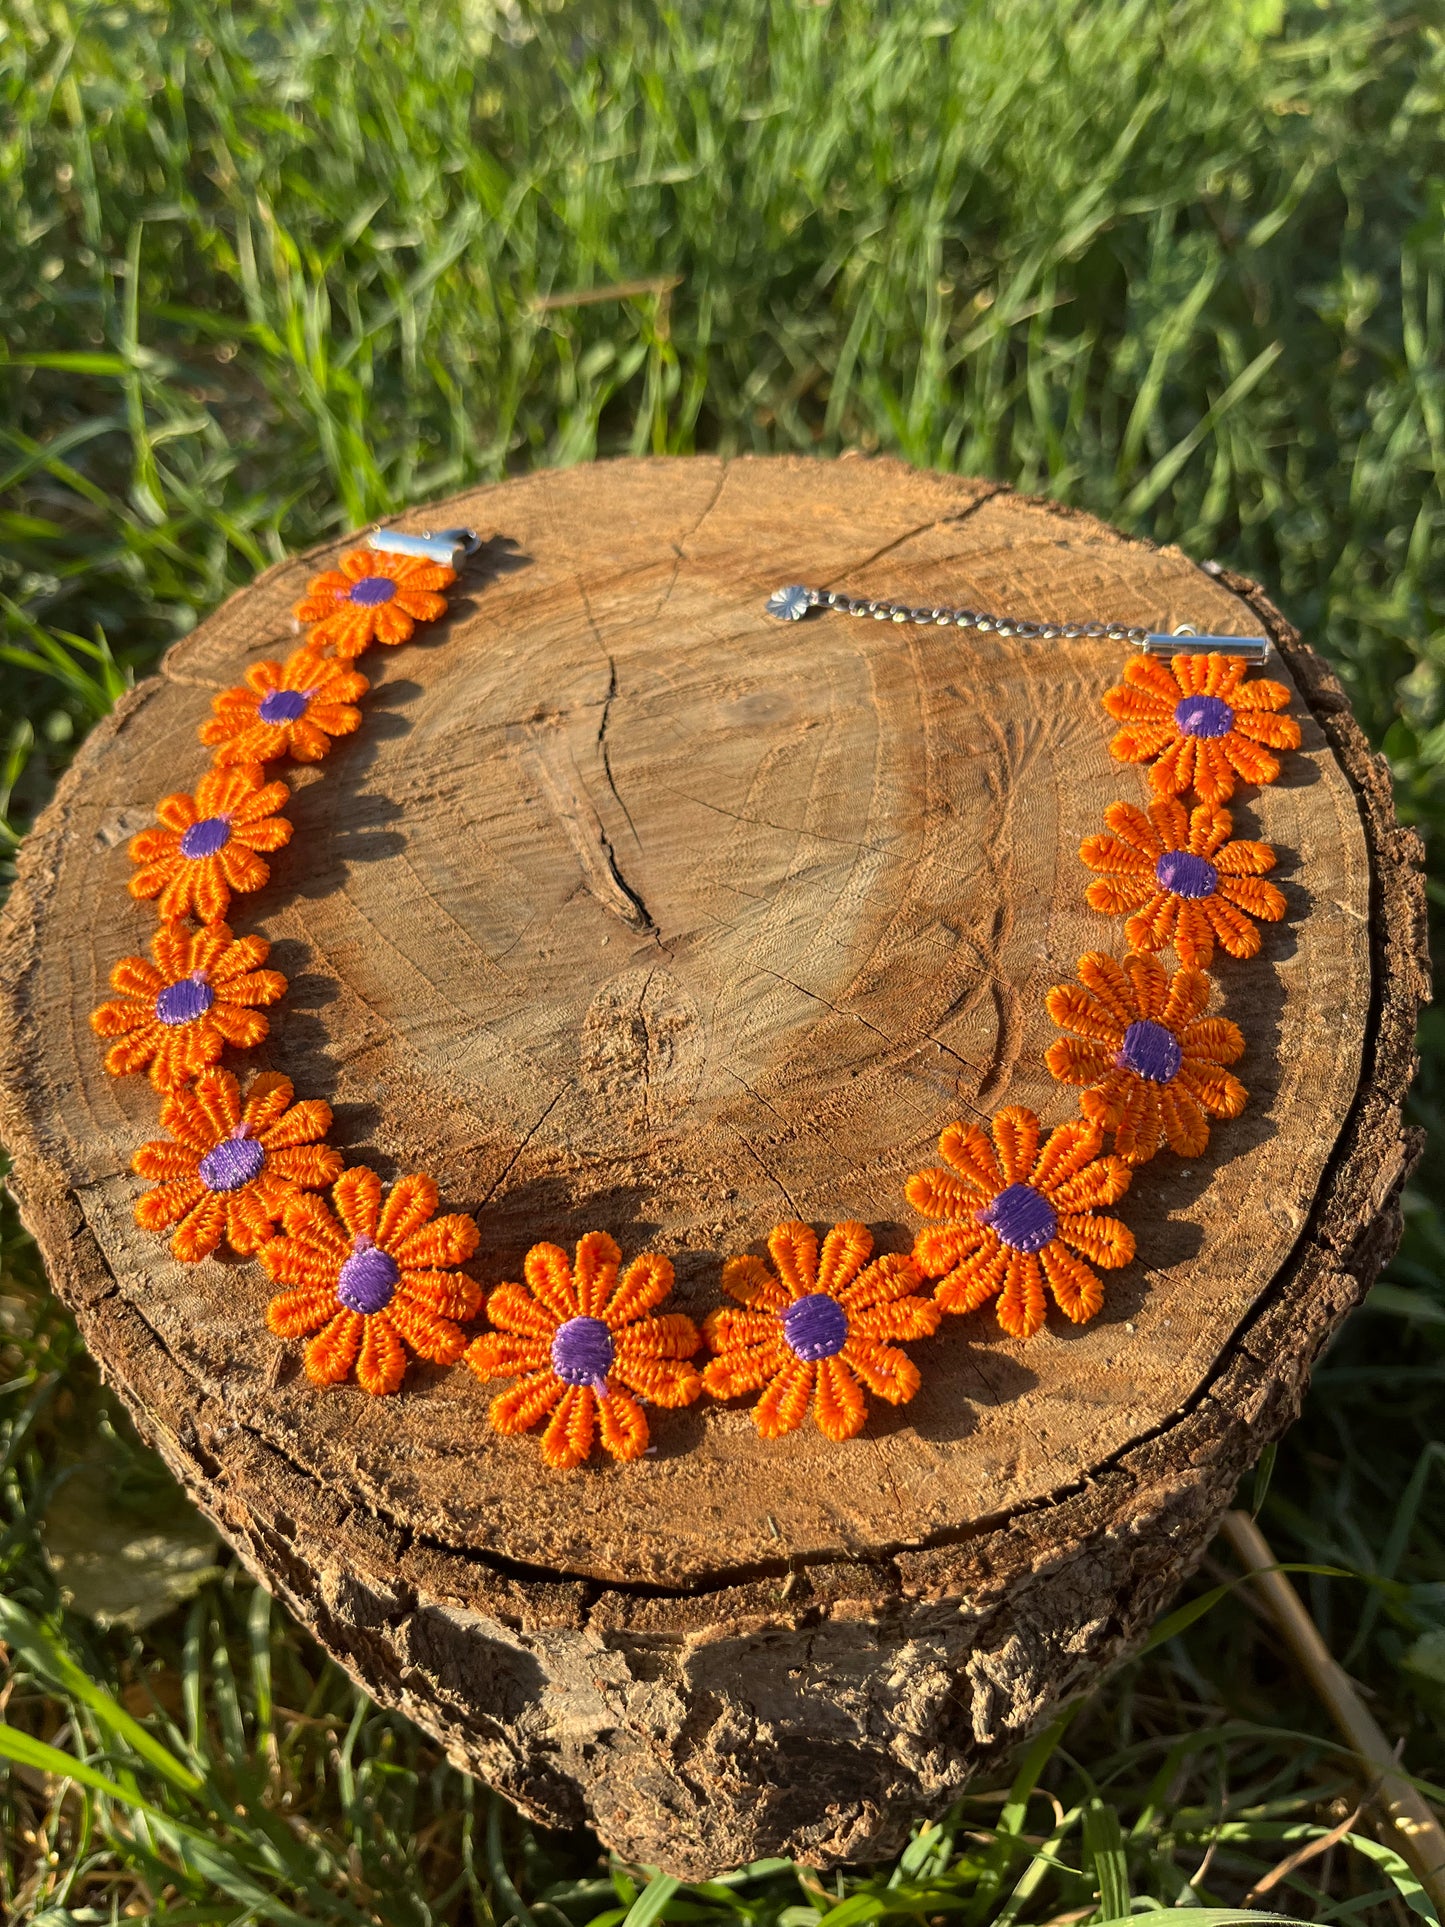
x=631 y=907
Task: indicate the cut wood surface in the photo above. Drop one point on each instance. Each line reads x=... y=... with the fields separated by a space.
x=629 y=907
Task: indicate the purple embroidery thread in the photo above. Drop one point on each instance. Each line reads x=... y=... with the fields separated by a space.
x=372 y=590
x=205 y=838
x=368 y=1278
x=1204 y=716
x=1151 y=1051
x=582 y=1353
x=1186 y=875
x=235 y=1162
x=1023 y=1218
x=283 y=705
x=186 y=1000
x=816 y=1327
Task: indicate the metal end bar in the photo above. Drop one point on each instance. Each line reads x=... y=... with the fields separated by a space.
x=450 y=547
x=1254 y=649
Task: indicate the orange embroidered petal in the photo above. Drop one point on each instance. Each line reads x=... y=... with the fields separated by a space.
x=430 y=1335
x=567 y=1440
x=1200 y=723
x=373 y=597
x=530 y=1399
x=451 y=1240
x=750 y=1350
x=1147 y=1068
x=1077 y=1290
x=356 y=1196
x=586 y=1339
x=350 y=1269
x=1020 y=1309
x=839 y=1406
x=409 y=1205
x=178 y=1016
x=883 y=1369
x=294 y=1313
x=749 y=1281
x=501 y=1354
x=230 y=1168
x=646 y=1285
x=207 y=846
x=1182 y=879
x=785 y=1401
x=652 y=1374
x=332 y=1353
x=512 y=1308
x=292 y=709
x=1007 y=1223
x=381 y=1361
x=967 y=1277
x=449 y=1294
x=621 y=1425
x=813 y=1326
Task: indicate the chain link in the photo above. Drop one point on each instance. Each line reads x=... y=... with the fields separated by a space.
x=791 y=603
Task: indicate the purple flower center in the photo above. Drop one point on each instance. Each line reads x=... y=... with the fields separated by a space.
x=815 y=1327
x=368 y=1278
x=1186 y=875
x=371 y=590
x=1151 y=1051
x=1022 y=1217
x=184 y=1002
x=212 y=833
x=234 y=1162
x=283 y=705
x=1204 y=716
x=582 y=1353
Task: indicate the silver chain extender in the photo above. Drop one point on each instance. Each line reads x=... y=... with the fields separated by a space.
x=794 y=602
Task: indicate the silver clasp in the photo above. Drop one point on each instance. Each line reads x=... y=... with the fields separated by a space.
x=450 y=547
x=1186 y=641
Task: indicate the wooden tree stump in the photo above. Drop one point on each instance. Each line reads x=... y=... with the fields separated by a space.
x=630 y=907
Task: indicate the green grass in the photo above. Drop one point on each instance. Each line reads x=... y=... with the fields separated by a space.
x=266 y=272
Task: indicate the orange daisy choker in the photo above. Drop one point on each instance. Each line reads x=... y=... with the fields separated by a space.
x=373 y=1277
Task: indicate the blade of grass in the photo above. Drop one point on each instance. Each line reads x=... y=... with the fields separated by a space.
x=43 y=1651
x=1414 y=1826
x=1104 y=1852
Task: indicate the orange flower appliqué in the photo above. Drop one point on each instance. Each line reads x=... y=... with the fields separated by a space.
x=373 y=597
x=208 y=844
x=177 y=1014
x=229 y=1167
x=586 y=1342
x=285 y=709
x=1200 y=723
x=372 y=1279
x=1186 y=882
x=1151 y=1063
x=813 y=1330
x=1014 y=1215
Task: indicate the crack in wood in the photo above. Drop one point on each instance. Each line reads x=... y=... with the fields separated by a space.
x=576 y=811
